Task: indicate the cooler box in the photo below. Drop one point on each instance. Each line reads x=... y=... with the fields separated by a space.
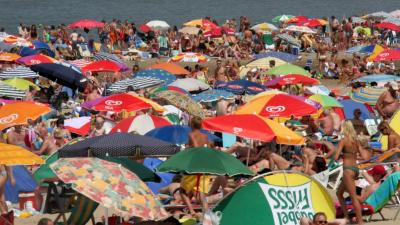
x=28 y=200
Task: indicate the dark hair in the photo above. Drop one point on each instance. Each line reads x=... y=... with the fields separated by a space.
x=44 y=221
x=316 y=215
x=195 y=123
x=60 y=121
x=320 y=164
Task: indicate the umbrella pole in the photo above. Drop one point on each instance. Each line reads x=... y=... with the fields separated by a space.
x=205 y=199
x=106 y=216
x=248 y=153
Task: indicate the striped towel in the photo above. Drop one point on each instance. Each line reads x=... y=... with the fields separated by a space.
x=20 y=72
x=136 y=83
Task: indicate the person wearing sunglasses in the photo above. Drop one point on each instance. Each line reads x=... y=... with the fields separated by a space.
x=320 y=218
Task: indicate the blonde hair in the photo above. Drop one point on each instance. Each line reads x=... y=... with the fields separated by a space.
x=349 y=131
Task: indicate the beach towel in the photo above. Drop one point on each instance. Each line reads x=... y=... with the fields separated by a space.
x=383 y=194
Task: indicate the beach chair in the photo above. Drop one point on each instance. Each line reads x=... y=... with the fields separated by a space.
x=82 y=211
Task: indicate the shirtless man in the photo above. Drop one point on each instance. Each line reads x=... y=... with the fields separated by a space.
x=49 y=143
x=220 y=72
x=322 y=49
x=16 y=136
x=393 y=137
x=388 y=103
x=196 y=138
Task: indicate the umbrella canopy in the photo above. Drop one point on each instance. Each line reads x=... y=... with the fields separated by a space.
x=288 y=69
x=177 y=134
x=61 y=74
x=89 y=24
x=11 y=92
x=160 y=74
x=20 y=84
x=350 y=105
x=204 y=161
x=381 y=79
x=158 y=25
x=279 y=105
x=140 y=124
x=104 y=66
x=19 y=71
x=395 y=13
x=117 y=145
x=9 y=57
x=135 y=84
x=144 y=28
x=213 y=95
x=190 y=30
x=19 y=113
x=314 y=23
x=281 y=18
x=170 y=68
x=355 y=19
x=189 y=57
x=80 y=63
x=110 y=185
x=302 y=29
x=219 y=32
x=260 y=128
x=368 y=95
x=190 y=84
x=266 y=93
x=120 y=102
x=298 y=19
x=12 y=155
x=262 y=63
x=388 y=25
x=36 y=59
x=181 y=101
x=78 y=125
x=289 y=39
x=388 y=55
x=242 y=87
x=203 y=23
x=393 y=20
x=264 y=27
x=326 y=101
x=172 y=88
x=264 y=206
x=377 y=15
x=291 y=79
x=287 y=57
x=363 y=30
x=108 y=56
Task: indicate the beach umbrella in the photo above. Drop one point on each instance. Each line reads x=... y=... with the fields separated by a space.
x=380 y=79
x=78 y=125
x=355 y=49
x=218 y=32
x=288 y=69
x=298 y=19
x=135 y=84
x=121 y=102
x=110 y=185
x=189 y=57
x=20 y=84
x=289 y=39
x=86 y=23
x=326 y=101
x=177 y=134
x=108 y=56
x=172 y=88
x=181 y=101
x=281 y=18
x=280 y=55
x=190 y=30
x=12 y=155
x=9 y=57
x=368 y=95
x=204 y=160
x=387 y=25
x=279 y=105
x=19 y=113
x=261 y=129
x=170 y=68
x=264 y=207
x=363 y=30
x=11 y=92
x=203 y=23
x=144 y=28
x=140 y=124
x=371 y=49
x=61 y=74
x=158 y=25
x=350 y=105
x=190 y=84
x=314 y=23
x=6 y=47
x=80 y=63
x=242 y=87
x=264 y=27
x=265 y=93
x=118 y=144
x=262 y=63
x=302 y=29
x=393 y=20
x=355 y=19
x=291 y=79
x=104 y=66
x=213 y=95
x=160 y=74
x=36 y=59
x=395 y=13
x=377 y=15
x=388 y=55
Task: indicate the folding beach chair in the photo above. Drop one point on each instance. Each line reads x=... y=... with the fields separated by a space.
x=82 y=211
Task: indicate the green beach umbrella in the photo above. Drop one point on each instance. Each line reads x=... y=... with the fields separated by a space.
x=326 y=101
x=281 y=18
x=204 y=161
x=44 y=171
x=288 y=68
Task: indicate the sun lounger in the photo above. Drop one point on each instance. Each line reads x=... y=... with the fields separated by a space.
x=82 y=211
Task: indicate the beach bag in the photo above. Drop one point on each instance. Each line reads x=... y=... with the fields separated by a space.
x=212 y=218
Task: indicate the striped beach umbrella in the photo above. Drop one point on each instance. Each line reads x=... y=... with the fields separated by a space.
x=367 y=95
x=107 y=56
x=280 y=55
x=36 y=59
x=157 y=74
x=140 y=124
x=136 y=83
x=380 y=79
x=78 y=125
x=10 y=92
x=80 y=63
x=20 y=72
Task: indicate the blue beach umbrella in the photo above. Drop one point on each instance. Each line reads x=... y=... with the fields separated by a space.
x=213 y=95
x=158 y=74
x=350 y=105
x=280 y=55
x=378 y=78
x=177 y=134
x=242 y=87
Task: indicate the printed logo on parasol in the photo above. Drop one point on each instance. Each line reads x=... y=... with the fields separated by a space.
x=255 y=88
x=113 y=103
x=275 y=109
x=8 y=119
x=237 y=130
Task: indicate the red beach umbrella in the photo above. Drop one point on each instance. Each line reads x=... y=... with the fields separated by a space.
x=102 y=66
x=120 y=102
x=89 y=24
x=291 y=79
x=140 y=123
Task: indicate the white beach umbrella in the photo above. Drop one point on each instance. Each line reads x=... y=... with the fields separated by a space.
x=302 y=29
x=158 y=25
x=190 y=84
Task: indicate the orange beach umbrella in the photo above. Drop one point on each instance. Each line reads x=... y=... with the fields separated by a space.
x=20 y=112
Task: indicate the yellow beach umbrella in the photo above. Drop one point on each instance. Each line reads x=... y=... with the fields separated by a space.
x=266 y=93
x=262 y=63
x=11 y=155
x=157 y=107
x=20 y=84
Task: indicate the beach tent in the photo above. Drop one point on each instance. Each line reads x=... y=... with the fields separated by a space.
x=350 y=105
x=24 y=182
x=275 y=198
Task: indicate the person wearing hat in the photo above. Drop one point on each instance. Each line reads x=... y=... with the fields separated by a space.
x=374 y=177
x=388 y=102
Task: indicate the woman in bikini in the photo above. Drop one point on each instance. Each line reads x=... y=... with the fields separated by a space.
x=349 y=147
